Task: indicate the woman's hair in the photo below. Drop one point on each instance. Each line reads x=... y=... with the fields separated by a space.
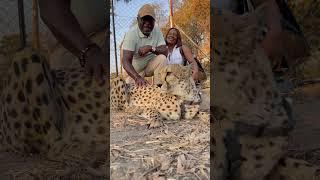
x=179 y=41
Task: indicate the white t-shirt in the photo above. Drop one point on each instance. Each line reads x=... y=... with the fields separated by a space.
x=175 y=56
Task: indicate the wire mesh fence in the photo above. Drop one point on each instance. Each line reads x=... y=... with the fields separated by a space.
x=9 y=20
x=8 y=17
x=123 y=17
x=125 y=14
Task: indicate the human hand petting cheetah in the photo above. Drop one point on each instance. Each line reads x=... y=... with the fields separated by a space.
x=56 y=14
x=96 y=64
x=141 y=82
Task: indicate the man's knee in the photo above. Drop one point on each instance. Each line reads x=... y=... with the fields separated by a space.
x=162 y=59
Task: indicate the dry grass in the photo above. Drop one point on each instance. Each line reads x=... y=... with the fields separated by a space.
x=180 y=149
x=17 y=167
x=312 y=156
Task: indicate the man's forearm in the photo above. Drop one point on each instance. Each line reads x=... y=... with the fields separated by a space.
x=60 y=20
x=127 y=64
x=130 y=70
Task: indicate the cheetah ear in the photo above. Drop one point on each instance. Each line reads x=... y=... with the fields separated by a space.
x=164 y=72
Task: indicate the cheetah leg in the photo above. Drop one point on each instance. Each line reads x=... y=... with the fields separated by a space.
x=292 y=169
x=154 y=118
x=223 y=138
x=259 y=155
x=244 y=156
x=152 y=115
x=134 y=110
x=190 y=111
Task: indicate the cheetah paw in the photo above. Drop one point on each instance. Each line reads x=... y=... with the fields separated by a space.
x=155 y=123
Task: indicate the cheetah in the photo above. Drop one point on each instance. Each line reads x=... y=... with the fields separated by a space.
x=58 y=114
x=156 y=103
x=249 y=135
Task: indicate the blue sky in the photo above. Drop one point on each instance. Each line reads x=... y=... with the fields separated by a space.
x=125 y=14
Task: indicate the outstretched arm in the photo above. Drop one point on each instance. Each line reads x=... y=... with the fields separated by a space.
x=63 y=24
x=127 y=65
x=57 y=15
x=189 y=56
x=162 y=49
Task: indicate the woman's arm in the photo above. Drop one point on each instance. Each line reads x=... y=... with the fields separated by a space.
x=189 y=56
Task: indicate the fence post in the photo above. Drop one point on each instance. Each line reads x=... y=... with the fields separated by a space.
x=171 y=13
x=114 y=39
x=22 y=26
x=35 y=25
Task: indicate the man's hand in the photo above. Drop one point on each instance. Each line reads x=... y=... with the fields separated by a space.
x=96 y=65
x=59 y=18
x=140 y=81
x=127 y=65
x=144 y=50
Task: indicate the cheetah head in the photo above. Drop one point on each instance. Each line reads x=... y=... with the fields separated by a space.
x=177 y=79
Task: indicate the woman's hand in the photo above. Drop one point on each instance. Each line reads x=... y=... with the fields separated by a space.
x=195 y=74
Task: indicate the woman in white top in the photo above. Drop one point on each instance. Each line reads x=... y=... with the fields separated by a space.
x=178 y=53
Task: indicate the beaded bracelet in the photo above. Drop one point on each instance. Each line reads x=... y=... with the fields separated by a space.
x=83 y=54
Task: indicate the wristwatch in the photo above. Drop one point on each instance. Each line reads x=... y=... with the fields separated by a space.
x=153 y=50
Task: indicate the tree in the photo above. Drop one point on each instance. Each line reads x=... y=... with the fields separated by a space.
x=193 y=17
